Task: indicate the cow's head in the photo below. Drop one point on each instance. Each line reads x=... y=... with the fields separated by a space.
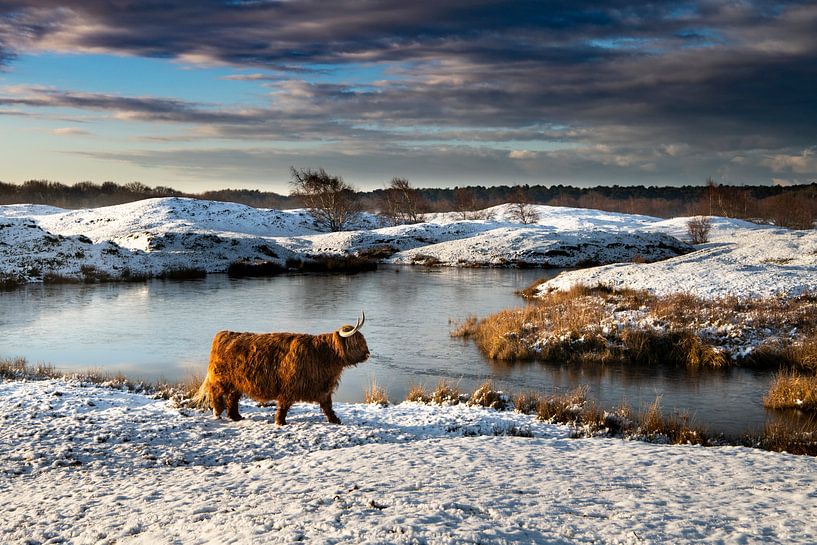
x=354 y=345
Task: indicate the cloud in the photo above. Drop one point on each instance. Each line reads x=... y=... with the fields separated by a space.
x=521 y=154
x=802 y=163
x=642 y=88
x=70 y=131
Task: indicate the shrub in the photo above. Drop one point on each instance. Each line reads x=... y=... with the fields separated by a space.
x=347 y=264
x=91 y=275
x=11 y=281
x=183 y=273
x=254 y=267
x=698 y=229
x=384 y=251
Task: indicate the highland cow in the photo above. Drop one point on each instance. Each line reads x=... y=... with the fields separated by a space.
x=285 y=367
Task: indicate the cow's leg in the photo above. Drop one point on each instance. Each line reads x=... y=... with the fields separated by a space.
x=326 y=407
x=218 y=398
x=281 y=413
x=218 y=404
x=232 y=405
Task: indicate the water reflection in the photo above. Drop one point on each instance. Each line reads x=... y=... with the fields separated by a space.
x=164 y=328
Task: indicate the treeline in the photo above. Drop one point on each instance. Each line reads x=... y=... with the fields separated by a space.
x=89 y=195
x=792 y=206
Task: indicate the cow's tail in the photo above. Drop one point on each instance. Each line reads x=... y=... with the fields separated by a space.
x=201 y=400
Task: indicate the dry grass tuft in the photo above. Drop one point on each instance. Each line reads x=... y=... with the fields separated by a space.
x=375 y=394
x=790 y=390
x=526 y=402
x=786 y=437
x=12 y=368
x=418 y=394
x=675 y=429
x=487 y=396
x=445 y=394
x=532 y=290
x=498 y=336
x=561 y=408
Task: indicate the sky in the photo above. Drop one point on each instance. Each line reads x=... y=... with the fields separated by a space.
x=214 y=94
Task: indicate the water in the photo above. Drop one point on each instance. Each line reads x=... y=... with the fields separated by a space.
x=163 y=329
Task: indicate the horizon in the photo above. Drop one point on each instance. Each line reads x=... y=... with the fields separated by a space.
x=231 y=94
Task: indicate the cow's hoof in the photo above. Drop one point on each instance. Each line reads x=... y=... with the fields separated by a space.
x=236 y=417
x=280 y=423
x=335 y=420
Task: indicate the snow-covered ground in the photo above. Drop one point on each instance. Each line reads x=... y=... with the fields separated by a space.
x=741 y=259
x=84 y=464
x=151 y=236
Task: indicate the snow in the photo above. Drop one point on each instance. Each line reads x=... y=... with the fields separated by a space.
x=741 y=259
x=149 y=237
x=86 y=464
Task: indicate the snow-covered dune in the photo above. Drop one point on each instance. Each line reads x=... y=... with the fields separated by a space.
x=154 y=235
x=94 y=465
x=742 y=259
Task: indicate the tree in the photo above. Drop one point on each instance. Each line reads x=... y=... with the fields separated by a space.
x=331 y=201
x=401 y=203
x=468 y=206
x=698 y=229
x=522 y=210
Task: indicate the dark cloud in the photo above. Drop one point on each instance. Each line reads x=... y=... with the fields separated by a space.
x=641 y=88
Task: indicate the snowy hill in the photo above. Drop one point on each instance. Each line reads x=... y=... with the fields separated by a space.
x=742 y=259
x=152 y=236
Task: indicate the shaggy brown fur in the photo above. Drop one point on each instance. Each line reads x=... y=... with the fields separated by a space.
x=286 y=367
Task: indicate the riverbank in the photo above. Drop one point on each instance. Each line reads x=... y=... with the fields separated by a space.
x=90 y=464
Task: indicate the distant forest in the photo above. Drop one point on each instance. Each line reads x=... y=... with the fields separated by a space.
x=792 y=206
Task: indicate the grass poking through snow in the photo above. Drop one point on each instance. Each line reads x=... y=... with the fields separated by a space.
x=603 y=325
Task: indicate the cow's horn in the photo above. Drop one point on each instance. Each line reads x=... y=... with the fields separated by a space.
x=359 y=324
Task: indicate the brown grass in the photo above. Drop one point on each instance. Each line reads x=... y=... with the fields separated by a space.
x=254 y=268
x=183 y=273
x=785 y=437
x=418 y=394
x=375 y=394
x=790 y=390
x=330 y=263
x=19 y=369
x=674 y=429
x=566 y=326
x=488 y=396
x=571 y=408
x=532 y=290
x=561 y=408
x=445 y=393
x=800 y=355
x=526 y=402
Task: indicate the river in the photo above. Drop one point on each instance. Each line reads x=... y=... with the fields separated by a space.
x=162 y=329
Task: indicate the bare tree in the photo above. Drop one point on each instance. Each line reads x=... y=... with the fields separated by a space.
x=402 y=203
x=467 y=204
x=522 y=210
x=698 y=229
x=331 y=201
